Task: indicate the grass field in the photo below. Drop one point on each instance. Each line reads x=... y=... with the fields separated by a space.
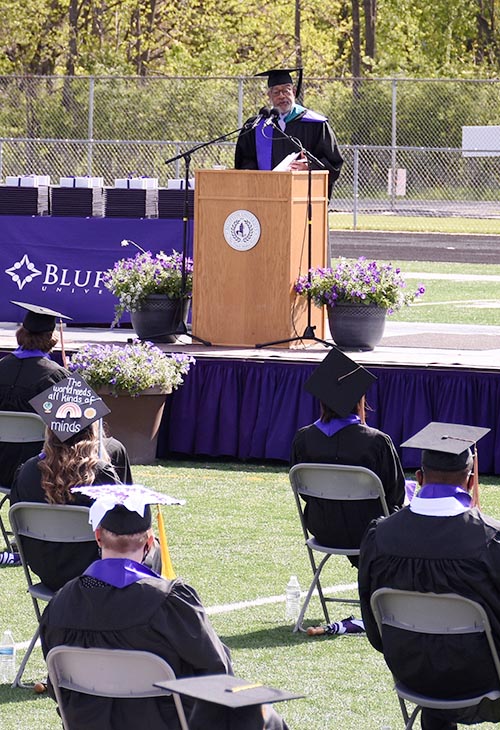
x=475 y=300
x=238 y=539
x=429 y=224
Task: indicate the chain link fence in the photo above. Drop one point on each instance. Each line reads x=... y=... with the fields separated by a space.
x=401 y=138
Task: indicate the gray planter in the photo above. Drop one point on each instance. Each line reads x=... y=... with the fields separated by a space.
x=356 y=326
x=159 y=318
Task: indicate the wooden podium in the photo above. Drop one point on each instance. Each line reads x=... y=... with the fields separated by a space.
x=244 y=296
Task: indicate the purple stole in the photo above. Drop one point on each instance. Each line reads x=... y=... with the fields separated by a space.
x=264 y=139
x=336 y=424
x=24 y=354
x=119 y=572
x=438 y=491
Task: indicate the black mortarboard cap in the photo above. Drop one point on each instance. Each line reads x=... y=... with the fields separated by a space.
x=277 y=76
x=69 y=406
x=339 y=382
x=122 y=521
x=446 y=446
x=39 y=319
x=226 y=690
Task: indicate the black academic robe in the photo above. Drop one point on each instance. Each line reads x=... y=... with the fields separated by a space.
x=55 y=563
x=456 y=554
x=21 y=380
x=155 y=615
x=342 y=524
x=317 y=138
x=119 y=458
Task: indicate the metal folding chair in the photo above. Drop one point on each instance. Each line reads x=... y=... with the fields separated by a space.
x=17 y=428
x=113 y=673
x=336 y=482
x=51 y=523
x=431 y=613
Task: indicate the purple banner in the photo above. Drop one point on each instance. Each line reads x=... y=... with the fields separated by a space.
x=59 y=262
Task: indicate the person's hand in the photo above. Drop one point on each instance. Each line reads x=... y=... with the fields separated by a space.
x=300 y=163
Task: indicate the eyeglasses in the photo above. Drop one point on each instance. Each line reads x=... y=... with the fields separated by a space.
x=287 y=91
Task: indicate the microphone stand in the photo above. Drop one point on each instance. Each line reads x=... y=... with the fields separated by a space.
x=186 y=156
x=309 y=330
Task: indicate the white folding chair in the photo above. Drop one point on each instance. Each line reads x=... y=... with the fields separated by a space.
x=113 y=673
x=17 y=428
x=337 y=482
x=51 y=523
x=431 y=613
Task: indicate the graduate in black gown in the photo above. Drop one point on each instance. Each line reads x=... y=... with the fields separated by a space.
x=440 y=543
x=341 y=436
x=72 y=455
x=28 y=371
x=264 y=146
x=48 y=477
x=24 y=373
x=118 y=603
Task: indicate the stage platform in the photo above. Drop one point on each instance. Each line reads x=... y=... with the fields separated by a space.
x=246 y=404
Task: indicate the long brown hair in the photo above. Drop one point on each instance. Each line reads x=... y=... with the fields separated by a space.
x=359 y=409
x=69 y=463
x=44 y=341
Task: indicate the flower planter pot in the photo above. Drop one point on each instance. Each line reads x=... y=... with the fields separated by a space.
x=135 y=421
x=356 y=326
x=159 y=318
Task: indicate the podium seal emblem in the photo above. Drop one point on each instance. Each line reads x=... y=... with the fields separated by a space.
x=242 y=230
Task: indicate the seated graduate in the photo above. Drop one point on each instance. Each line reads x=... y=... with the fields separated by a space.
x=72 y=455
x=28 y=371
x=24 y=373
x=341 y=436
x=440 y=543
x=118 y=603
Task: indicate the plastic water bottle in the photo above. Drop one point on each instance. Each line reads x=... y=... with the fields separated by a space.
x=292 y=593
x=7 y=658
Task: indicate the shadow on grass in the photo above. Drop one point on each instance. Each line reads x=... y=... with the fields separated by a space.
x=269 y=637
x=220 y=463
x=9 y=696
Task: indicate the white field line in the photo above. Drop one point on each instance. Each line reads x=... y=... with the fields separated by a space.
x=480 y=303
x=452 y=277
x=229 y=607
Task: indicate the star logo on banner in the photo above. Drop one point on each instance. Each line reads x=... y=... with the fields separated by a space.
x=23 y=272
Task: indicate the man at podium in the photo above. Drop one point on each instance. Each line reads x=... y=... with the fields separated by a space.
x=264 y=141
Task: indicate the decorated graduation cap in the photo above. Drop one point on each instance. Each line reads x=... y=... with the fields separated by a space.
x=278 y=76
x=339 y=382
x=39 y=319
x=125 y=510
x=69 y=406
x=447 y=447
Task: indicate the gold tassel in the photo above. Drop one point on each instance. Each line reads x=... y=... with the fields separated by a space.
x=475 y=481
x=63 y=350
x=167 y=569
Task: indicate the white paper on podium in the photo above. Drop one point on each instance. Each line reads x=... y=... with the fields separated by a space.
x=285 y=162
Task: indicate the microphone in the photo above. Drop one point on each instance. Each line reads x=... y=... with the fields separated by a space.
x=264 y=113
x=272 y=117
